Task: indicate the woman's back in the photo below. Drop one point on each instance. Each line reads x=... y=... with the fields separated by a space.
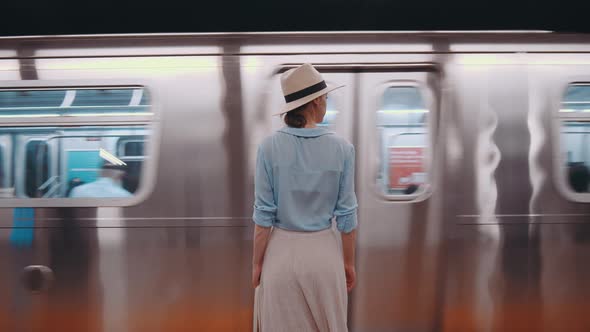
x=304 y=178
x=309 y=171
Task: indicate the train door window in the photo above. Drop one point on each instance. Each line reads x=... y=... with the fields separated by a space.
x=78 y=146
x=574 y=119
x=402 y=123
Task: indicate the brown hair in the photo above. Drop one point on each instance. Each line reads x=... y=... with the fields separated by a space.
x=295 y=117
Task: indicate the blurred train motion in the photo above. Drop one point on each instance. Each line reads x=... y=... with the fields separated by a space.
x=472 y=176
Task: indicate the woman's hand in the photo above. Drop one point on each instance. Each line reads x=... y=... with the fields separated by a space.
x=348 y=248
x=256 y=271
x=261 y=236
x=350 y=272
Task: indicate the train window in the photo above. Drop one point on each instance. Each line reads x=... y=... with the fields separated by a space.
x=574 y=117
x=402 y=123
x=117 y=102
x=98 y=147
x=130 y=147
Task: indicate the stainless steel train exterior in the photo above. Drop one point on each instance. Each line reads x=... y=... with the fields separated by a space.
x=494 y=239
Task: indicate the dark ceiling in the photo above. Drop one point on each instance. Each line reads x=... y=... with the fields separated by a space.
x=54 y=17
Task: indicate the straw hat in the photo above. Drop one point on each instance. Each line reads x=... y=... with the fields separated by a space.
x=301 y=85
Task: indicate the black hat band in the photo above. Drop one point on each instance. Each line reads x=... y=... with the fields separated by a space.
x=306 y=92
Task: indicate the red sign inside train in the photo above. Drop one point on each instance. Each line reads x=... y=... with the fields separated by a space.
x=406 y=166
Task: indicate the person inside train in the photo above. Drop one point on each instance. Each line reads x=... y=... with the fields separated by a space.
x=579 y=176
x=108 y=184
x=410 y=189
x=73 y=184
x=304 y=178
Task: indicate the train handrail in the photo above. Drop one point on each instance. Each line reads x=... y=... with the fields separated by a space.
x=48 y=182
x=53 y=190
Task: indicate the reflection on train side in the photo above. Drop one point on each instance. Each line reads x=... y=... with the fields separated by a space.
x=402 y=123
x=82 y=157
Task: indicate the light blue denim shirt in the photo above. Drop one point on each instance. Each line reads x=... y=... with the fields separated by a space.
x=103 y=187
x=305 y=177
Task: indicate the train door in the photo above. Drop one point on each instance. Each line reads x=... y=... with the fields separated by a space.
x=389 y=113
x=399 y=214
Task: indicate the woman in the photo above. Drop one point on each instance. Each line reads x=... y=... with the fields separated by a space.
x=304 y=178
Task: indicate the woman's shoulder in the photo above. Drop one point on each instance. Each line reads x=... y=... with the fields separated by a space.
x=340 y=141
x=282 y=140
x=274 y=139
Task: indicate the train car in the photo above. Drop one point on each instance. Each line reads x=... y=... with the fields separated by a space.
x=472 y=177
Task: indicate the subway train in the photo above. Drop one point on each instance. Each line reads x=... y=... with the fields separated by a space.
x=472 y=176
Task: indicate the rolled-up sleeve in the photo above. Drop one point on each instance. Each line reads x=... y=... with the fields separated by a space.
x=265 y=208
x=346 y=205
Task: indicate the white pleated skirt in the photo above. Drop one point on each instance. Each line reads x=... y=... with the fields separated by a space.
x=303 y=285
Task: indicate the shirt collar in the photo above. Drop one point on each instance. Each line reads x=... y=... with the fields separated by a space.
x=305 y=132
